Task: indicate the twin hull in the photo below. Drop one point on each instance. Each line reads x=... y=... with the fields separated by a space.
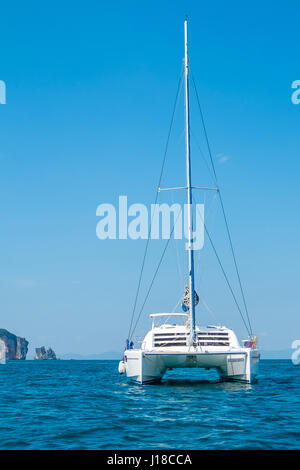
x=150 y=366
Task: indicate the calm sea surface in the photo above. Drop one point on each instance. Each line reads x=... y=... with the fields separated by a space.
x=87 y=405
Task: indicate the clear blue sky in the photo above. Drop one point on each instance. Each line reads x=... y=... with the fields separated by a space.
x=90 y=87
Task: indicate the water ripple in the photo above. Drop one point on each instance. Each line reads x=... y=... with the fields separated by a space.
x=86 y=405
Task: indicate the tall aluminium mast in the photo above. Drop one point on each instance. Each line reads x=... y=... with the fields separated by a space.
x=189 y=191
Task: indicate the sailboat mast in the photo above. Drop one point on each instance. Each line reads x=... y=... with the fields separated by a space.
x=189 y=191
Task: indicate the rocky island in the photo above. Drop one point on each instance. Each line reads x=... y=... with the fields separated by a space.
x=41 y=354
x=15 y=346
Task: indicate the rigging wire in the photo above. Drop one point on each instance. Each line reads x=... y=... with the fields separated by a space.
x=208 y=214
x=224 y=272
x=208 y=308
x=153 y=278
x=177 y=305
x=156 y=197
x=202 y=154
x=177 y=249
x=222 y=206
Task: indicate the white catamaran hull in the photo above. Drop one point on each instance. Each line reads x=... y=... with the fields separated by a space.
x=150 y=366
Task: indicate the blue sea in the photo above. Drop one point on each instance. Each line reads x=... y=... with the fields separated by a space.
x=87 y=405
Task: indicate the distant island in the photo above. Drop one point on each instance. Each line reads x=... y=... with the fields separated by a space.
x=41 y=354
x=16 y=348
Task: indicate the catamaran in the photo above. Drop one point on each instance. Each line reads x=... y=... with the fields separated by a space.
x=175 y=341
